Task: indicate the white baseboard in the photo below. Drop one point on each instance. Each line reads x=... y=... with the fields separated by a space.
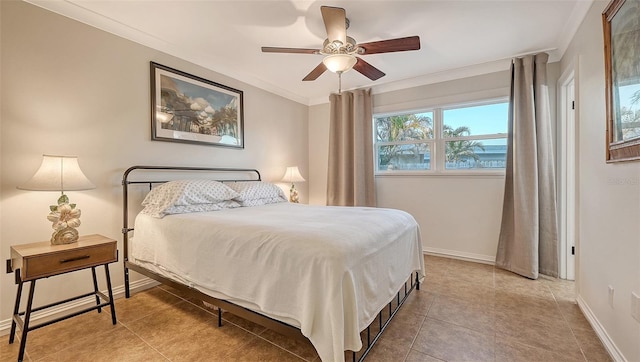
x=60 y=310
x=611 y=347
x=478 y=258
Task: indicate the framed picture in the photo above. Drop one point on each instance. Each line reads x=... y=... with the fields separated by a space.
x=621 y=24
x=189 y=109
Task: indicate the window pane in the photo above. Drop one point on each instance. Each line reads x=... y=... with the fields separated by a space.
x=477 y=120
x=404 y=127
x=476 y=154
x=404 y=157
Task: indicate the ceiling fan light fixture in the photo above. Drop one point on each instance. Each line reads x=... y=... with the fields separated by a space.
x=339 y=63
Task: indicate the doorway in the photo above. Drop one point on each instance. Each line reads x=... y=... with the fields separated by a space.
x=567 y=170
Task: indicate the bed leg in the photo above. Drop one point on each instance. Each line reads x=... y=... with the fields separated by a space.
x=127 y=291
x=219 y=317
x=417 y=281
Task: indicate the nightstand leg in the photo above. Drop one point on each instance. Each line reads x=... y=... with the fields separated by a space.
x=27 y=316
x=95 y=287
x=113 y=307
x=16 y=310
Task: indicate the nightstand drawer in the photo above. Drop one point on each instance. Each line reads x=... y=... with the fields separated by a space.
x=57 y=263
x=39 y=260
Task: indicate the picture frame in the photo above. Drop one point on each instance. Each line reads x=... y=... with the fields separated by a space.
x=189 y=109
x=621 y=26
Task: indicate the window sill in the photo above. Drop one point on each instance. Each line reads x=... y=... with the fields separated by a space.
x=458 y=173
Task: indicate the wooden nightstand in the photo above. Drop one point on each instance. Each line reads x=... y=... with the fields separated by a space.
x=31 y=262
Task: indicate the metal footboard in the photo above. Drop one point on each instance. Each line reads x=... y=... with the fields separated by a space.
x=384 y=320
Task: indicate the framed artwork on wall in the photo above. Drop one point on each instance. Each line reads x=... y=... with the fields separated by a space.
x=621 y=25
x=190 y=109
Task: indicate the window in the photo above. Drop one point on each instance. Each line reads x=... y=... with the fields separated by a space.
x=458 y=137
x=404 y=141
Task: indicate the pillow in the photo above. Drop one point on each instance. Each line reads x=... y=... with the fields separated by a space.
x=255 y=193
x=188 y=196
x=183 y=209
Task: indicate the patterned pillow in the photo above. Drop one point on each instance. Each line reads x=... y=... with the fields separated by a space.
x=188 y=196
x=255 y=193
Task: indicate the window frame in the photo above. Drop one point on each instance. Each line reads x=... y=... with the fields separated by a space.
x=437 y=144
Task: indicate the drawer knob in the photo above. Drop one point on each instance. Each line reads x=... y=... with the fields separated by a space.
x=74 y=259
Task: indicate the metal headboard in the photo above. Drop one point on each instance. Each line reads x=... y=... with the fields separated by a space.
x=126 y=182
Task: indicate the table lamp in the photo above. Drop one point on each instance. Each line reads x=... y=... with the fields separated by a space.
x=290 y=176
x=60 y=173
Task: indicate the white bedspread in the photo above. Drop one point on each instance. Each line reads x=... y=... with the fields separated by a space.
x=326 y=270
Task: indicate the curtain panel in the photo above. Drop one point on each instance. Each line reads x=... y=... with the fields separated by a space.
x=528 y=242
x=350 y=180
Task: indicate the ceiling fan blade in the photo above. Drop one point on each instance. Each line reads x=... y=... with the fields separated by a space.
x=335 y=21
x=290 y=50
x=316 y=72
x=391 y=45
x=368 y=70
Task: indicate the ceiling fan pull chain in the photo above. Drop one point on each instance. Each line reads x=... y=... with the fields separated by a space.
x=339 y=82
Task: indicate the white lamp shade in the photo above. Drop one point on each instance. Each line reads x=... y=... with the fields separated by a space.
x=292 y=175
x=339 y=63
x=58 y=173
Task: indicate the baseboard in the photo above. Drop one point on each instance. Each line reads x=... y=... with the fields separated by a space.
x=477 y=258
x=42 y=316
x=610 y=346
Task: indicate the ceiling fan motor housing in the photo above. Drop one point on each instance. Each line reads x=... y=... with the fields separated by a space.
x=336 y=47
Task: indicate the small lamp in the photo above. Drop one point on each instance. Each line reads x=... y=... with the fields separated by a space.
x=290 y=176
x=60 y=173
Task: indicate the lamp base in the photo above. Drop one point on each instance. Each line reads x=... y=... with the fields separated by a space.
x=293 y=195
x=67 y=235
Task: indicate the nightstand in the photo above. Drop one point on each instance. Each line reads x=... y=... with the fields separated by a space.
x=34 y=261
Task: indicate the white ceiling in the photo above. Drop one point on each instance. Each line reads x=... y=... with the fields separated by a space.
x=458 y=38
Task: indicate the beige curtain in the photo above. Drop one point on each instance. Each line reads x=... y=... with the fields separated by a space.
x=350 y=176
x=528 y=242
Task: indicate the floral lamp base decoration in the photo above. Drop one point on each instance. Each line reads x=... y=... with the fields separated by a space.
x=65 y=218
x=293 y=194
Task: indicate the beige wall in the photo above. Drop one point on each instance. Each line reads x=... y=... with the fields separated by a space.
x=608 y=247
x=458 y=215
x=72 y=89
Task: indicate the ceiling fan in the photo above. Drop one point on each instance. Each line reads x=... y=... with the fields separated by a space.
x=340 y=50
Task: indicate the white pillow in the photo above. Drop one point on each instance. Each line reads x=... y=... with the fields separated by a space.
x=255 y=193
x=188 y=196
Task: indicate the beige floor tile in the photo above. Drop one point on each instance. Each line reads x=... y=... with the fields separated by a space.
x=509 y=350
x=537 y=331
x=453 y=287
x=260 y=350
x=516 y=303
x=69 y=333
x=121 y=343
x=591 y=346
x=453 y=343
x=476 y=273
x=476 y=316
x=418 y=302
x=301 y=348
x=415 y=356
x=519 y=285
x=143 y=304
x=463 y=312
x=573 y=315
x=9 y=352
x=188 y=333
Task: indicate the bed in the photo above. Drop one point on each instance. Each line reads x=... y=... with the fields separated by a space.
x=325 y=273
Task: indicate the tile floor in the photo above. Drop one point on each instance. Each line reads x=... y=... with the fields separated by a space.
x=463 y=312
